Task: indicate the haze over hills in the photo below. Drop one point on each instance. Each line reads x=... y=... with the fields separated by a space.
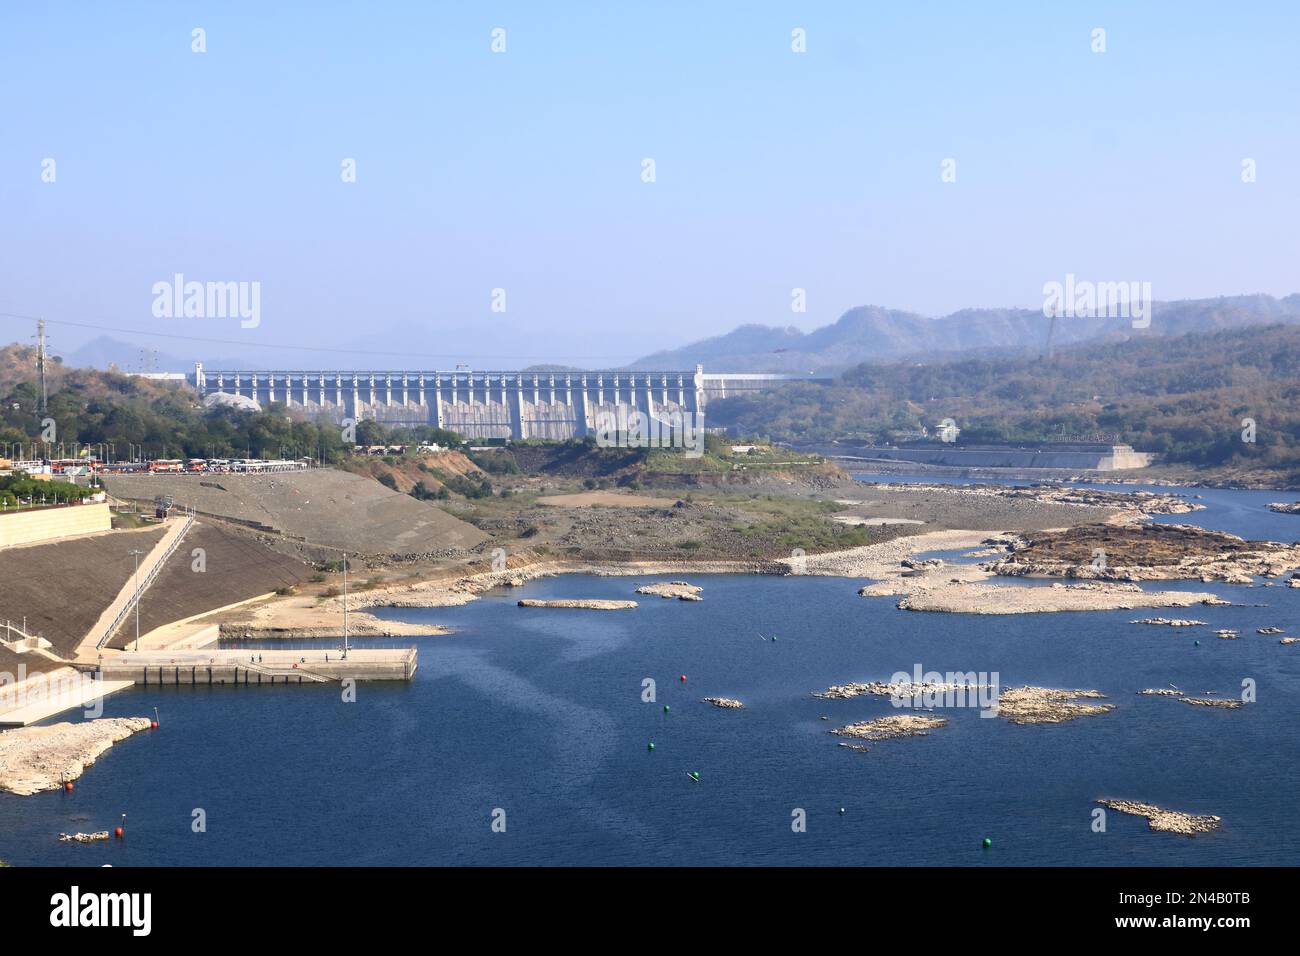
x=1186 y=398
x=874 y=334
x=863 y=334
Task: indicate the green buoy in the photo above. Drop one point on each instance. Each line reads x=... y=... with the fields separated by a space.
x=987 y=843
x=650 y=746
x=666 y=708
x=694 y=775
x=1198 y=643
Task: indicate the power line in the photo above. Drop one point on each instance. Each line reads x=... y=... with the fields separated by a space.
x=243 y=343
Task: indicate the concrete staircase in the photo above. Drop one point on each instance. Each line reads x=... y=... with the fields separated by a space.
x=126 y=599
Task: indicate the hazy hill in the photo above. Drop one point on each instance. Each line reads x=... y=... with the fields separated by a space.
x=1184 y=397
x=875 y=334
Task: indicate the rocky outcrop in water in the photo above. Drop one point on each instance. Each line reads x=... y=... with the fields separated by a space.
x=1047 y=705
x=1284 y=508
x=39 y=758
x=83 y=837
x=1169 y=622
x=590 y=605
x=673 y=589
x=966 y=598
x=1211 y=702
x=1147 y=552
x=887 y=728
x=726 y=703
x=905 y=690
x=1165 y=821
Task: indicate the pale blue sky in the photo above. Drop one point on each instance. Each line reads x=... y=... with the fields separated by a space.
x=522 y=170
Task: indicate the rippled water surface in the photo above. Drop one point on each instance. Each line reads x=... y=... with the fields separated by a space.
x=539 y=713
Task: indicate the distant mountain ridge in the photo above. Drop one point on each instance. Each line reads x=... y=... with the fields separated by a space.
x=875 y=334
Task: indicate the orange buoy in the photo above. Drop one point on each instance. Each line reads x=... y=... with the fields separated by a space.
x=153 y=725
x=119 y=833
x=67 y=785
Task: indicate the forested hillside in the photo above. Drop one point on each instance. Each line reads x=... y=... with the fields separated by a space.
x=1184 y=397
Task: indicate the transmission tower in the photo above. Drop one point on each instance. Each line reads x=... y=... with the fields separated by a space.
x=40 y=363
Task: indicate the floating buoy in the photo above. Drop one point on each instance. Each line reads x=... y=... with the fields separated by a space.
x=683 y=677
x=841 y=811
x=68 y=786
x=650 y=746
x=666 y=708
x=1198 y=643
x=153 y=725
x=987 y=843
x=694 y=775
x=119 y=833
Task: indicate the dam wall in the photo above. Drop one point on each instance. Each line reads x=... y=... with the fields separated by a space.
x=56 y=521
x=1073 y=456
x=477 y=405
x=486 y=405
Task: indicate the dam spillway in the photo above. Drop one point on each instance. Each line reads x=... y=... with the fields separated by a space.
x=477 y=405
x=552 y=405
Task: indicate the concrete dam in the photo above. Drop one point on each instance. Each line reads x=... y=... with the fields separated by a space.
x=1089 y=456
x=483 y=405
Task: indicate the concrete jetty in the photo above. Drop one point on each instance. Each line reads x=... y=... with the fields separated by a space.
x=41 y=695
x=256 y=667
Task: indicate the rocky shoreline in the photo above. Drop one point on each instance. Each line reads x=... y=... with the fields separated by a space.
x=33 y=759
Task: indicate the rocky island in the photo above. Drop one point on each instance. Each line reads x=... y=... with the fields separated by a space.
x=1165 y=821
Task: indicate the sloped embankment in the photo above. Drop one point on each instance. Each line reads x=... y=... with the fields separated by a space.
x=324 y=507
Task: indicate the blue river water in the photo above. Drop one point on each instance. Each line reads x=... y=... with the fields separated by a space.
x=537 y=717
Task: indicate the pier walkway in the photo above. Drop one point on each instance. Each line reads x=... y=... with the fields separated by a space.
x=244 y=666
